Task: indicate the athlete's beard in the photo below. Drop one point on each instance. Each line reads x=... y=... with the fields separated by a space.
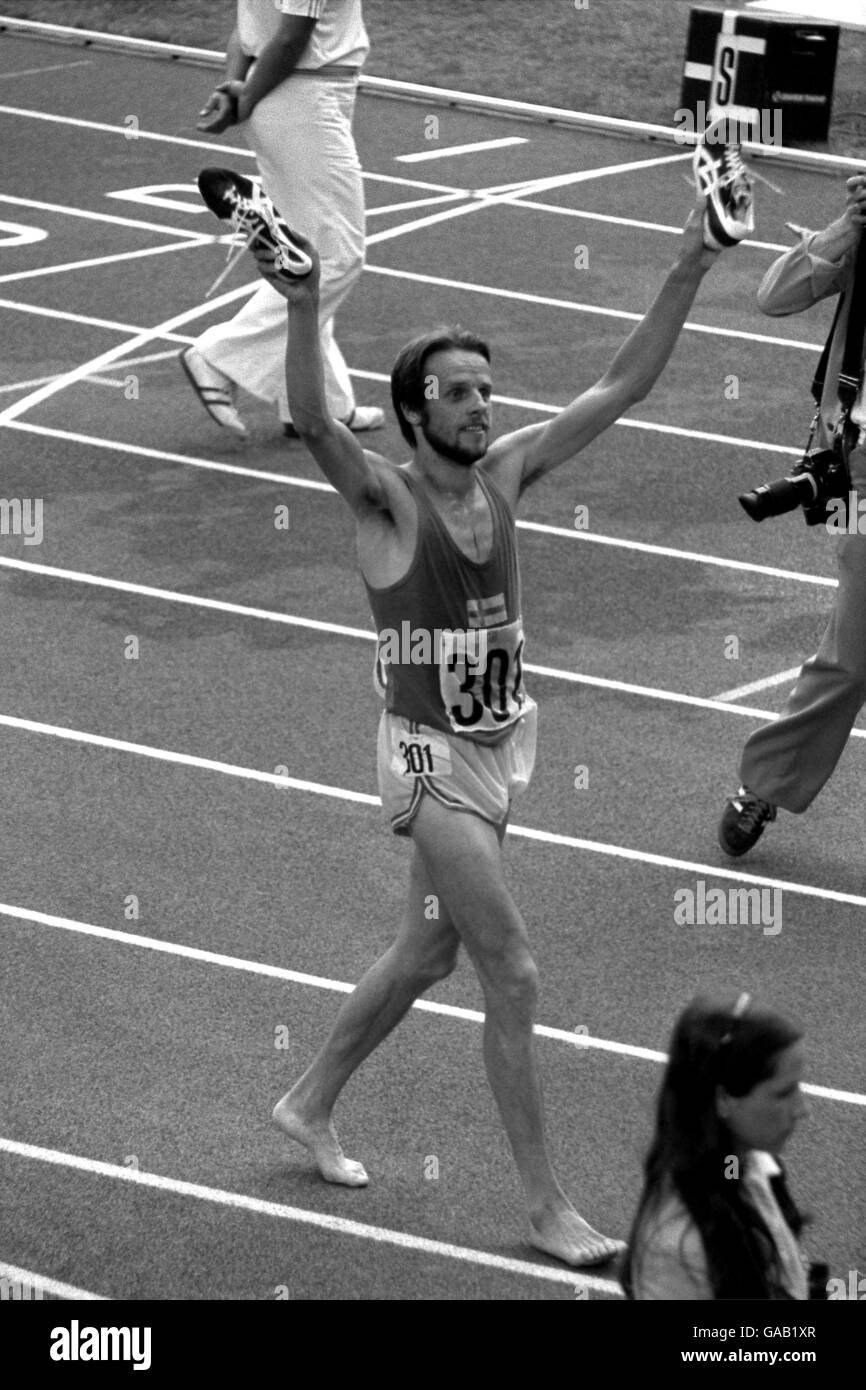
x=454 y=452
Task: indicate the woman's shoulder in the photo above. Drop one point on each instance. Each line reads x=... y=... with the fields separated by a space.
x=671 y=1262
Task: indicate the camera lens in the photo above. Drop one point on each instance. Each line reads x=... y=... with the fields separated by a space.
x=774 y=499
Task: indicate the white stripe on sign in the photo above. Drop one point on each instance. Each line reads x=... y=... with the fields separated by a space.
x=337 y=1224
x=700 y=72
x=450 y=150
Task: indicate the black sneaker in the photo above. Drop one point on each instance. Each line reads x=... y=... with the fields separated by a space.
x=722 y=178
x=743 y=821
x=236 y=199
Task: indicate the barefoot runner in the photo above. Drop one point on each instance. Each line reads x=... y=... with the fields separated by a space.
x=436 y=543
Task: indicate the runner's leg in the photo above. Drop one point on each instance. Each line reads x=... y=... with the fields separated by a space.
x=424 y=951
x=463 y=857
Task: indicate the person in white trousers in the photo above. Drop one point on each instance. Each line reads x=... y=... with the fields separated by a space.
x=291 y=79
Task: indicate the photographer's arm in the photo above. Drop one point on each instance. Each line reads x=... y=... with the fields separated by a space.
x=819 y=264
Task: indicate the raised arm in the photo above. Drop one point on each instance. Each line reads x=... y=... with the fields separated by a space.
x=355 y=473
x=519 y=459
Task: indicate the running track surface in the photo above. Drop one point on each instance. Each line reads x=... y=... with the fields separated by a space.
x=178 y=934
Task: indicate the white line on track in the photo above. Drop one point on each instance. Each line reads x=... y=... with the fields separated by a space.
x=448 y=151
x=529 y=187
x=780 y=678
x=95 y=364
x=667 y=227
x=472 y=287
x=653 y=426
x=87 y=319
x=240 y=150
x=338 y=1225
x=55 y=67
x=43 y=271
x=316 y=485
x=278 y=972
x=102 y=217
x=366 y=634
x=414 y=203
x=27 y=1279
x=275 y=779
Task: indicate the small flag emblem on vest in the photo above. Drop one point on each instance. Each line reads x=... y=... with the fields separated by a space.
x=486 y=612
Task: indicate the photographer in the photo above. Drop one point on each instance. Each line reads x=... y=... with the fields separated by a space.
x=786 y=763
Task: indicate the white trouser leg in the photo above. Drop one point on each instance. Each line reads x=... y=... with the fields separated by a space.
x=302 y=137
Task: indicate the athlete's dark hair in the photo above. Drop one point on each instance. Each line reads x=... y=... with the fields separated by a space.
x=407 y=375
x=691 y=1151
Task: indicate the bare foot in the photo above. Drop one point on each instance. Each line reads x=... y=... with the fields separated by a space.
x=567 y=1237
x=322 y=1142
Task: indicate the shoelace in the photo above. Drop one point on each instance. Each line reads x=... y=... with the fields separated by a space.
x=244 y=214
x=754 y=813
x=736 y=174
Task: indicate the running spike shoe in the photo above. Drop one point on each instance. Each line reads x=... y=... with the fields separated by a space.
x=236 y=199
x=743 y=821
x=722 y=178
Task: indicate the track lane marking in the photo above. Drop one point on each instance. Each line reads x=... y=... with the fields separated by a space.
x=114 y=218
x=367 y=634
x=550 y=302
x=54 y=67
x=104 y=359
x=240 y=150
x=274 y=779
x=449 y=151
x=278 y=972
x=337 y=1225
x=780 y=678
x=315 y=485
x=43 y=271
x=45 y=1284
x=86 y=319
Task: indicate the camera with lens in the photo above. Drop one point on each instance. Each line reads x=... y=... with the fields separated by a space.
x=812 y=484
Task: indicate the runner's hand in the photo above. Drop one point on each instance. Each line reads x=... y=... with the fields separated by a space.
x=290 y=287
x=694 y=247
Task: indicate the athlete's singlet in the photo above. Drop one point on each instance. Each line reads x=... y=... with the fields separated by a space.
x=450 y=632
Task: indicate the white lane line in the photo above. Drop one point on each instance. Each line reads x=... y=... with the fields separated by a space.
x=414 y=203
x=780 y=678
x=338 y=1225
x=241 y=150
x=667 y=227
x=528 y=188
x=281 y=780
x=653 y=426
x=315 y=485
x=142 y=451
x=669 y=553
x=366 y=634
x=100 y=217
x=139 y=361
x=29 y=1280
x=87 y=319
x=95 y=364
x=450 y=150
x=55 y=67
x=278 y=972
x=43 y=271
x=549 y=302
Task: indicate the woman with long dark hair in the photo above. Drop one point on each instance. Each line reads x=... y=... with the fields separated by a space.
x=715 y=1219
